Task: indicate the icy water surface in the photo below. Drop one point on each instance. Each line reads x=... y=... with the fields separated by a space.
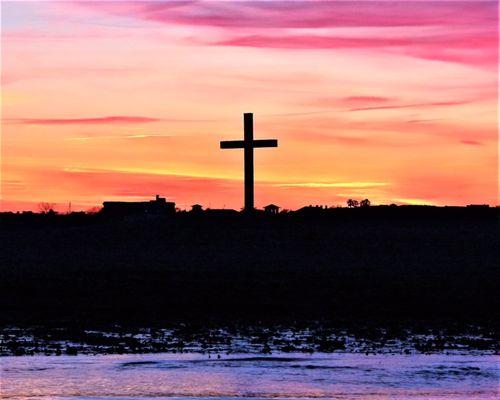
x=290 y=375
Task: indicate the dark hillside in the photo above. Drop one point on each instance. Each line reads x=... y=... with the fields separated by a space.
x=379 y=263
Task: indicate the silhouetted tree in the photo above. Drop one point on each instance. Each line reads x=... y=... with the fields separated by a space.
x=352 y=203
x=365 y=203
x=46 y=208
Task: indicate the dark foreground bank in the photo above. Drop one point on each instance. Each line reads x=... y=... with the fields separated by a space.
x=430 y=265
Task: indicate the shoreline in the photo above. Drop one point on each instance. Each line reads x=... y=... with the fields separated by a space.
x=249 y=339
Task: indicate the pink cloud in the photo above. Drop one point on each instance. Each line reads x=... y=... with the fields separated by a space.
x=311 y=42
x=304 y=14
x=459 y=32
x=365 y=99
x=481 y=53
x=468 y=47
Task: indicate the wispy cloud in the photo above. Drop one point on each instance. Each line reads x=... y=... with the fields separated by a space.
x=302 y=14
x=129 y=183
x=119 y=137
x=143 y=171
x=381 y=132
x=452 y=31
x=108 y=120
x=468 y=47
x=349 y=185
x=88 y=121
x=418 y=105
x=365 y=99
x=471 y=142
x=311 y=42
x=350 y=101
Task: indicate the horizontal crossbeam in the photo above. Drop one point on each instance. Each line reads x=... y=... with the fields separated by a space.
x=232 y=144
x=240 y=144
x=265 y=143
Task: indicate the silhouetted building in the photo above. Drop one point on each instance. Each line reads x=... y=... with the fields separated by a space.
x=271 y=209
x=225 y=212
x=313 y=210
x=158 y=206
x=196 y=208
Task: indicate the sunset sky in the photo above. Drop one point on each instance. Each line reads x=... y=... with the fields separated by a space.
x=391 y=101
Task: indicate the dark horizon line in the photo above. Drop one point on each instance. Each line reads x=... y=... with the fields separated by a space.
x=99 y=209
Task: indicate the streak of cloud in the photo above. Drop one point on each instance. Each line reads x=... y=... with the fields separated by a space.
x=119 y=137
x=88 y=121
x=108 y=120
x=418 y=105
x=334 y=184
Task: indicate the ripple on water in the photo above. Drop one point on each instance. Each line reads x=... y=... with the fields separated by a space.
x=453 y=372
x=340 y=376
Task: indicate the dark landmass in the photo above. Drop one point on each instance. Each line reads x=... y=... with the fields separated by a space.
x=426 y=264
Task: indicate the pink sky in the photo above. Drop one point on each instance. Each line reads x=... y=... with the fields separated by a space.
x=391 y=101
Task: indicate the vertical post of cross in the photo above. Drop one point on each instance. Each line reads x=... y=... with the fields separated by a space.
x=248 y=144
x=248 y=160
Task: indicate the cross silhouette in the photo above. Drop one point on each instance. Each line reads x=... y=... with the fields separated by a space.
x=248 y=144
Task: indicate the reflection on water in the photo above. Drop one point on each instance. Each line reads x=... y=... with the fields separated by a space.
x=342 y=376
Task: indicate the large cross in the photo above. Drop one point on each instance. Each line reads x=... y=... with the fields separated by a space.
x=248 y=144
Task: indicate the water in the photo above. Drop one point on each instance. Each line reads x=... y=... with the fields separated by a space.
x=290 y=375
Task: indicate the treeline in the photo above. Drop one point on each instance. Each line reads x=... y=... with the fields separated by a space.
x=354 y=209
